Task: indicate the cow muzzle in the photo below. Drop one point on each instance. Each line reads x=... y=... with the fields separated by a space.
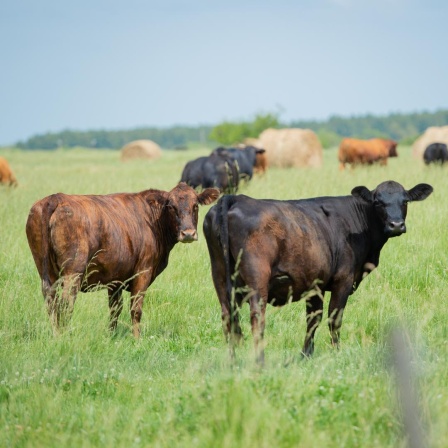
x=395 y=228
x=188 y=236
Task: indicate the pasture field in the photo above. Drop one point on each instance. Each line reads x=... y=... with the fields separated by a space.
x=175 y=386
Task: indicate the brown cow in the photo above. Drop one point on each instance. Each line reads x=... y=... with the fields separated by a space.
x=6 y=175
x=121 y=241
x=360 y=152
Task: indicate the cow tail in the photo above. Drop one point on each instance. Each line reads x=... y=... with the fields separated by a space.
x=47 y=210
x=225 y=203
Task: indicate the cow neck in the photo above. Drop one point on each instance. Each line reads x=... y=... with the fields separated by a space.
x=169 y=230
x=159 y=222
x=372 y=228
x=164 y=229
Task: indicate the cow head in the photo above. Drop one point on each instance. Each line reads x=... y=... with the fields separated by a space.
x=182 y=206
x=261 y=161
x=389 y=200
x=393 y=148
x=220 y=151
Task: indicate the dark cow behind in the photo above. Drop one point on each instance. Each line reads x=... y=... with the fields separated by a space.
x=246 y=158
x=193 y=172
x=436 y=153
x=216 y=170
x=288 y=250
x=121 y=241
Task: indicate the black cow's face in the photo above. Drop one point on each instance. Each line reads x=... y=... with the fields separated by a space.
x=391 y=207
x=183 y=205
x=390 y=202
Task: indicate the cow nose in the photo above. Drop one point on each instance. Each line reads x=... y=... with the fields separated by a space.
x=396 y=227
x=188 y=236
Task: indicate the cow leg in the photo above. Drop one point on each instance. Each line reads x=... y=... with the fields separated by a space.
x=51 y=301
x=138 y=289
x=231 y=323
x=61 y=300
x=49 y=290
x=229 y=307
x=227 y=310
x=230 y=311
x=235 y=327
x=257 y=278
x=115 y=306
x=257 y=302
x=336 y=307
x=314 y=310
x=69 y=293
x=136 y=312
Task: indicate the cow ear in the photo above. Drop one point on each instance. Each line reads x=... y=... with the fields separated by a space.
x=363 y=193
x=420 y=192
x=157 y=197
x=208 y=196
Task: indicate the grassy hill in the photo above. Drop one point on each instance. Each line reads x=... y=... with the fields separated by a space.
x=175 y=387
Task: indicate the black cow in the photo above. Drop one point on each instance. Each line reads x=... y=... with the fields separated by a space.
x=436 y=153
x=284 y=251
x=246 y=158
x=216 y=170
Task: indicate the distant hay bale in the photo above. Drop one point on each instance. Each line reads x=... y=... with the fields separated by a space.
x=250 y=141
x=141 y=149
x=432 y=134
x=291 y=147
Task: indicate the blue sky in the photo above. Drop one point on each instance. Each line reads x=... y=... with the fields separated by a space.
x=112 y=64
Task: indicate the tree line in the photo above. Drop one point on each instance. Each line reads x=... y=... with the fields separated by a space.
x=173 y=137
x=404 y=128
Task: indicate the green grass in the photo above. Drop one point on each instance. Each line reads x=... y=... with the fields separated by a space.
x=174 y=387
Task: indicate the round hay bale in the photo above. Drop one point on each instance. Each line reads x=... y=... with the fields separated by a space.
x=141 y=149
x=433 y=134
x=291 y=147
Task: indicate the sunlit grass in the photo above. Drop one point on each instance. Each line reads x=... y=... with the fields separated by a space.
x=175 y=387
